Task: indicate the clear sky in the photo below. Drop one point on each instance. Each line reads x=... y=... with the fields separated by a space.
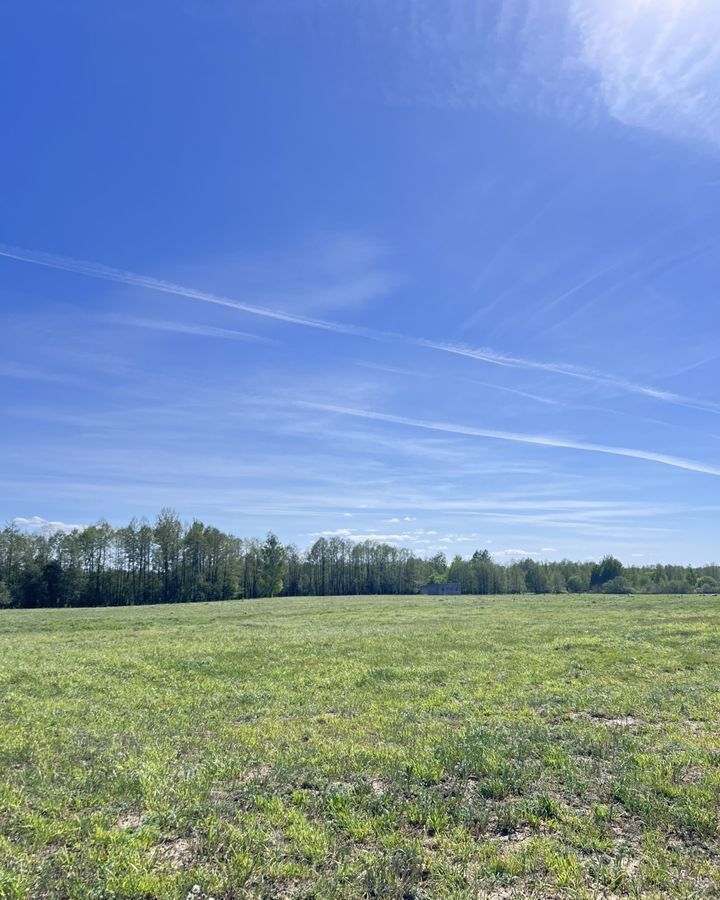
x=442 y=274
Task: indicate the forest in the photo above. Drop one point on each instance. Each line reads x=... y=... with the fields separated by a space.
x=169 y=561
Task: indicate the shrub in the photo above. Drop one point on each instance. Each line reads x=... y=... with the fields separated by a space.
x=576 y=584
x=617 y=585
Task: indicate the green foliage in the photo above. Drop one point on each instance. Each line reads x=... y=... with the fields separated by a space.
x=609 y=569
x=619 y=585
x=708 y=586
x=172 y=562
x=273 y=566
x=576 y=584
x=362 y=746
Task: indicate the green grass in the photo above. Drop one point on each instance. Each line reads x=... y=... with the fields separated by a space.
x=362 y=747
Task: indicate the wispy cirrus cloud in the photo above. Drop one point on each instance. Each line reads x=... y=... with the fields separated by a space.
x=30 y=372
x=466 y=54
x=652 y=64
x=657 y=63
x=482 y=354
x=331 y=271
x=191 y=328
x=516 y=437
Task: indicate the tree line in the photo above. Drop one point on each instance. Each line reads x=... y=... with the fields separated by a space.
x=171 y=562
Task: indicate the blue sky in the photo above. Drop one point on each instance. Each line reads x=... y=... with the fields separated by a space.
x=440 y=274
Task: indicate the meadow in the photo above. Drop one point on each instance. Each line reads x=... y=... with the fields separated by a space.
x=338 y=747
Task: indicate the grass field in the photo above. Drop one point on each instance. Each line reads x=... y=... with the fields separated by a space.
x=362 y=747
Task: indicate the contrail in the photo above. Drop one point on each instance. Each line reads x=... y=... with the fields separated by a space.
x=482 y=354
x=537 y=439
x=120 y=276
x=485 y=354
